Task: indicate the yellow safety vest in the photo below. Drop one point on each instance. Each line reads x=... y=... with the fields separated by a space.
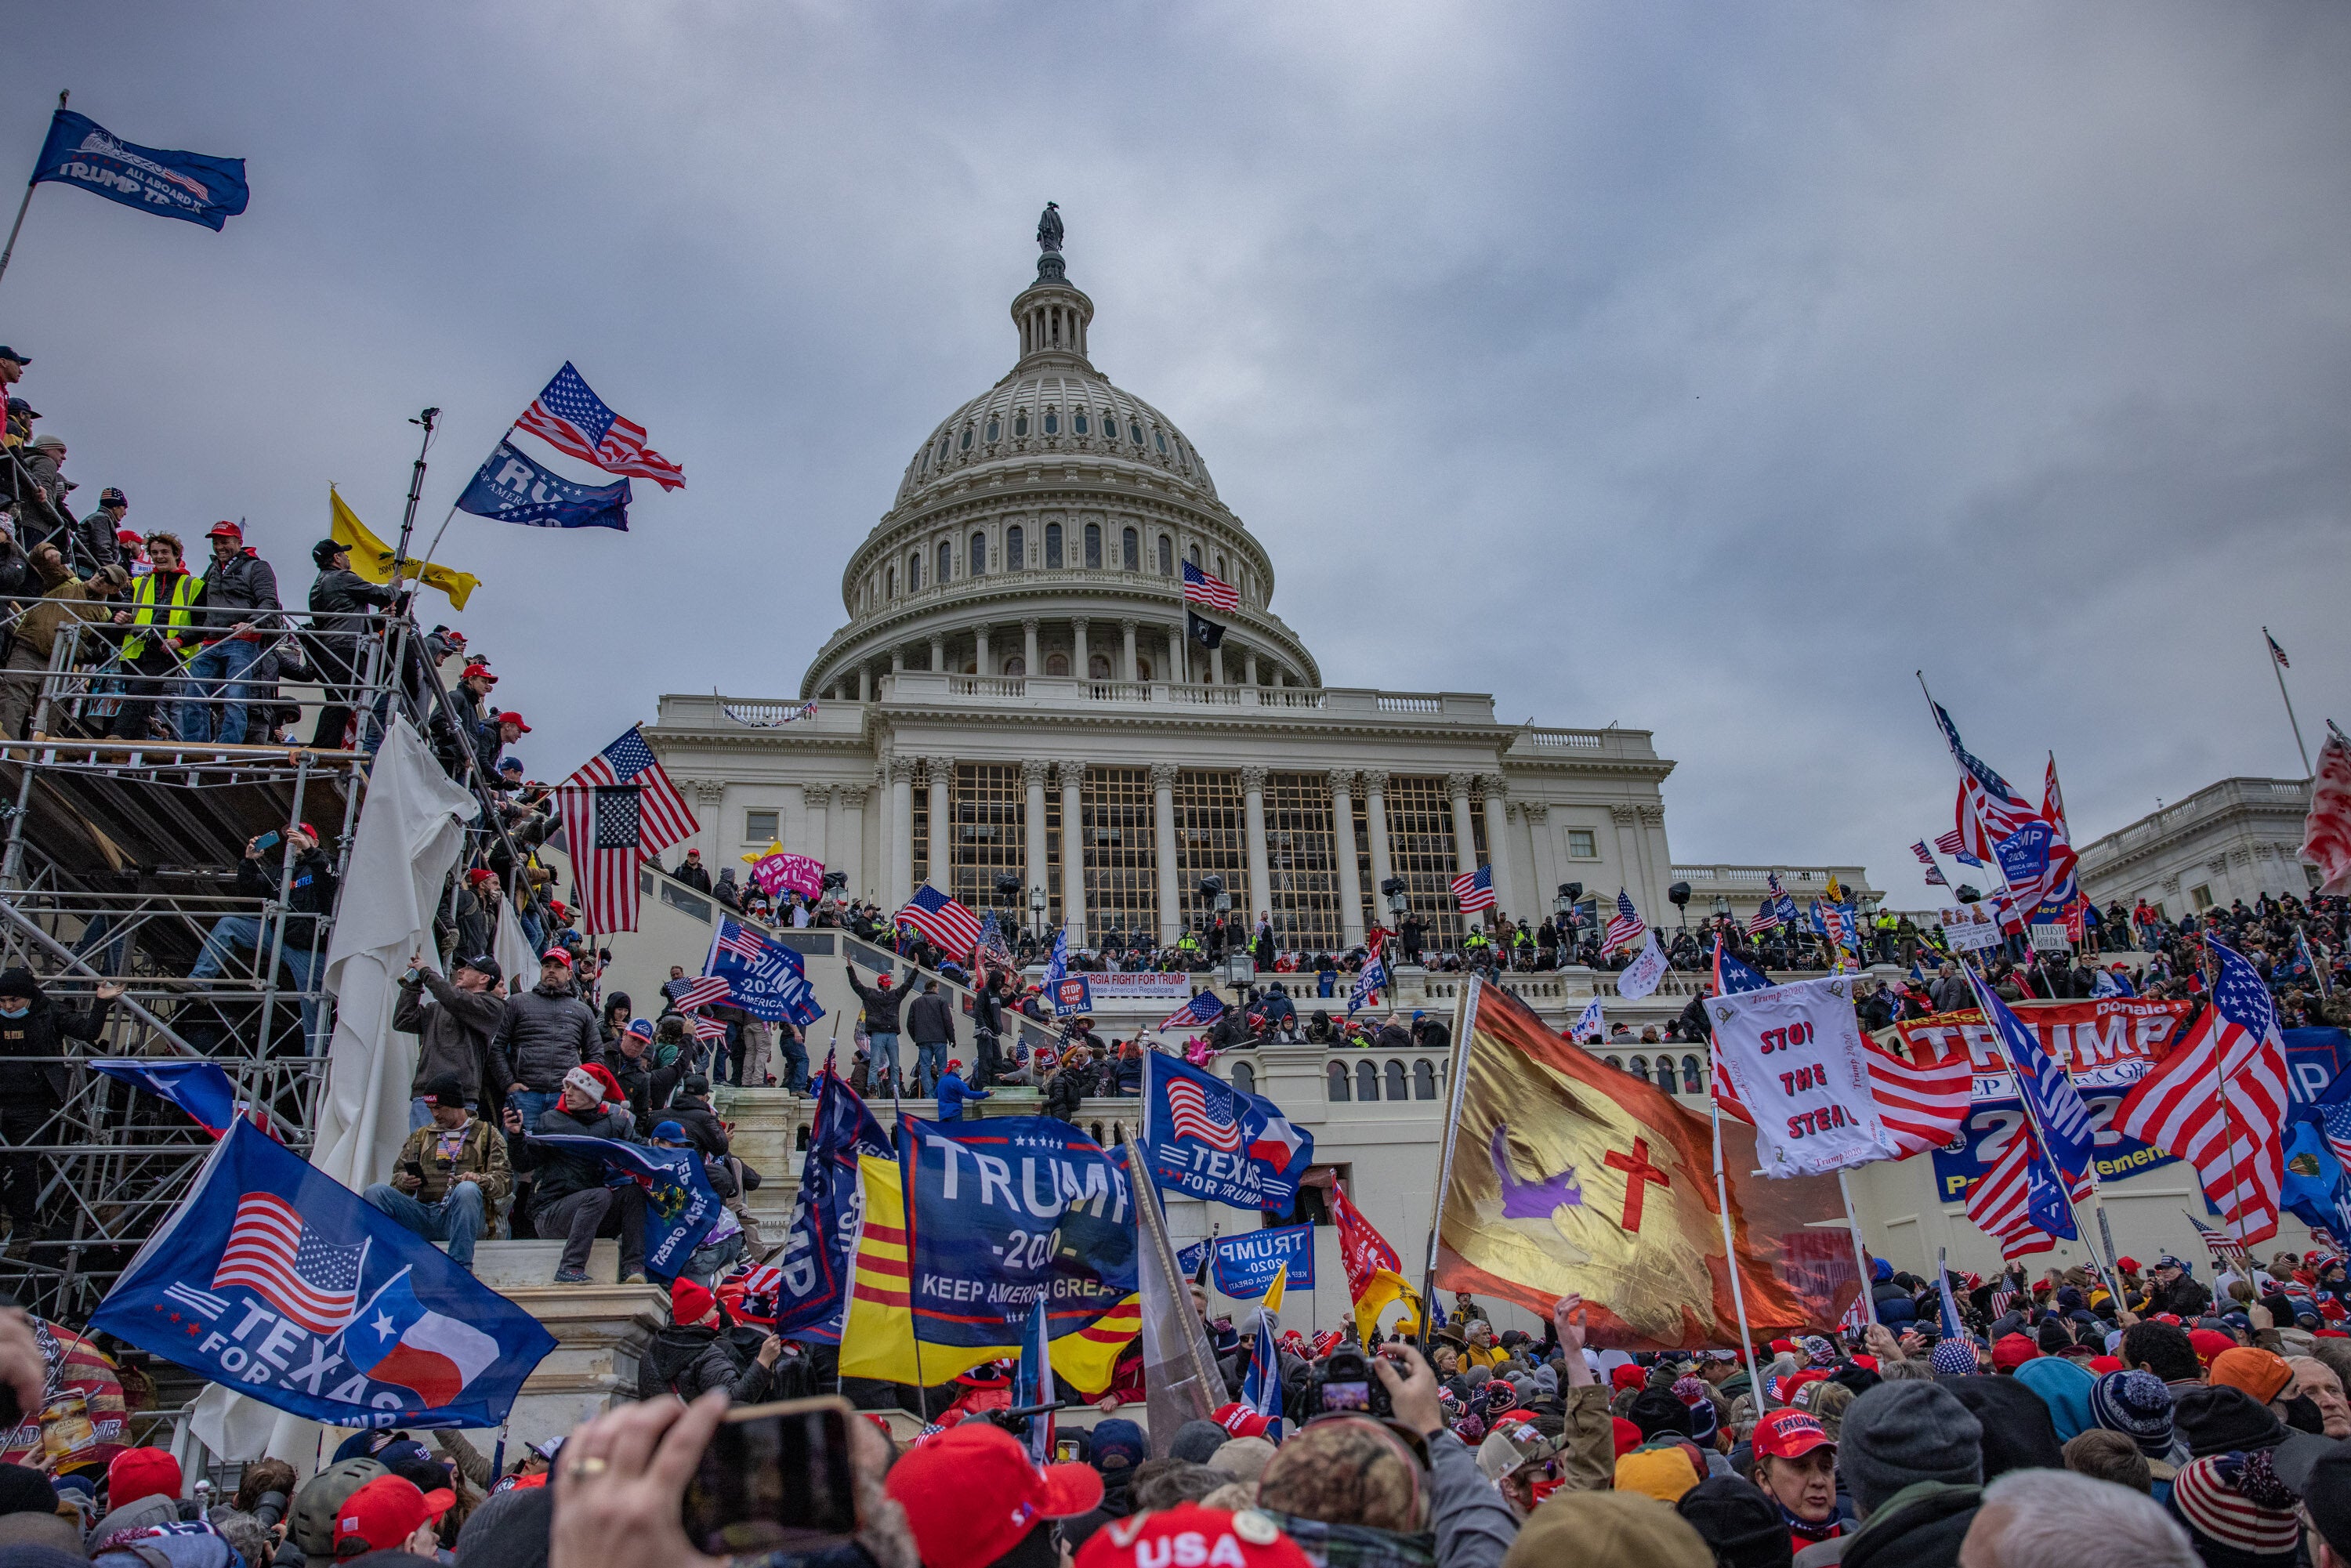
x=142 y=599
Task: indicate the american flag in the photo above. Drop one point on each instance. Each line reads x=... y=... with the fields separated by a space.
x=2068 y=1136
x=1188 y=1117
x=1765 y=919
x=1927 y=858
x=1626 y=928
x=1199 y=588
x=2053 y=798
x=702 y=991
x=739 y=939
x=1373 y=979
x=2275 y=652
x=1475 y=889
x=2334 y=1121
x=2002 y=1202
x=622 y=802
x=2219 y=1101
x=2002 y=1297
x=572 y=419
x=954 y=928
x=1204 y=1008
x=272 y=1254
x=706 y=1028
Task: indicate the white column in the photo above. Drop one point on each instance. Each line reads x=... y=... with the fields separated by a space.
x=938 y=652
x=1249 y=667
x=1260 y=865
x=1028 y=647
x=1351 y=885
x=1217 y=665
x=848 y=844
x=1375 y=814
x=901 y=831
x=1628 y=859
x=1032 y=774
x=1126 y=656
x=1546 y=853
x=1652 y=841
x=1074 y=853
x=1162 y=817
x=864 y=682
x=1510 y=896
x=979 y=646
x=942 y=770
x=1079 y=655
x=1465 y=838
x=816 y=831
x=897 y=660
x=1176 y=652
x=792 y=823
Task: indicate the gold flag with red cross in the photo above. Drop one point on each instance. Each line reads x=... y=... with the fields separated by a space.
x=1569 y=1175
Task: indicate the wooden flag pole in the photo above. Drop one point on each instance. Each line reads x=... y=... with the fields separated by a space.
x=1464 y=1015
x=1729 y=1245
x=1860 y=1253
x=18 y=227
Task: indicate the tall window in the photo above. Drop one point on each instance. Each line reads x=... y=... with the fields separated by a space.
x=1053 y=544
x=1121 y=864
x=1421 y=847
x=978 y=556
x=1016 y=549
x=1052 y=422
x=1131 y=551
x=1093 y=545
x=1210 y=841
x=1301 y=849
x=1194 y=553
x=1166 y=556
x=946 y=562
x=990 y=806
x=993 y=429
x=889 y=583
x=1081 y=426
x=913 y=571
x=1020 y=422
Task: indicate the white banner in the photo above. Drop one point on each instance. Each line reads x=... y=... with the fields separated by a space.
x=1970 y=927
x=1642 y=975
x=1796 y=1061
x=1140 y=988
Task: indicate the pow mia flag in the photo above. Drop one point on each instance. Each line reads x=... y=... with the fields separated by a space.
x=1203 y=631
x=514 y=489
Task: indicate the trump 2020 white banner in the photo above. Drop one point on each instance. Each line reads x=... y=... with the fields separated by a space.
x=1795 y=1057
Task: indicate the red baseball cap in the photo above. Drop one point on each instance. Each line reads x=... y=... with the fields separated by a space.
x=555 y=956
x=135 y=1473
x=1190 y=1534
x=515 y=720
x=386 y=1511
x=1239 y=1420
x=225 y=530
x=1789 y=1434
x=972 y=1492
x=477 y=672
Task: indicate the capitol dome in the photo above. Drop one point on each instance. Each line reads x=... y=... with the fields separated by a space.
x=1041 y=529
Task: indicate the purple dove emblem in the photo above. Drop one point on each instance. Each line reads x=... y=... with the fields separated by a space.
x=1537 y=1200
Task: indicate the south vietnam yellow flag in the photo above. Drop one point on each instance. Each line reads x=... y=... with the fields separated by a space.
x=371 y=558
x=1568 y=1175
x=877 y=1338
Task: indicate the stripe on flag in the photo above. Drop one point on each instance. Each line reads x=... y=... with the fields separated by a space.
x=1200 y=587
x=1474 y=889
x=954 y=927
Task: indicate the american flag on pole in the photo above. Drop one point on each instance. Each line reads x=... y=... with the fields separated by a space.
x=1188 y=1117
x=2335 y=1122
x=740 y=940
x=1474 y=889
x=702 y=991
x=618 y=808
x=706 y=1028
x=629 y=760
x=1373 y=979
x=2069 y=1137
x=954 y=928
x=2275 y=652
x=572 y=419
x=1764 y=920
x=1927 y=858
x=1199 y=588
x=1204 y=1008
x=2226 y=1253
x=2219 y=1101
x=272 y=1254
x=2001 y=1204
x=1626 y=927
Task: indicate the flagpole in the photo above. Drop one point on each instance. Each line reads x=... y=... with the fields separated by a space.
x=1465 y=1013
x=2268 y=643
x=1729 y=1248
x=415 y=491
x=16 y=227
x=1860 y=1253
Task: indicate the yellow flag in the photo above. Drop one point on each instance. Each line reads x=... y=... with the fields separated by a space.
x=371 y=558
x=1835 y=890
x=1273 y=1292
x=877 y=1338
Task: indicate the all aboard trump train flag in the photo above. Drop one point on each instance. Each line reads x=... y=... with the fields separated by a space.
x=968 y=1229
x=1568 y=1175
x=277 y=1280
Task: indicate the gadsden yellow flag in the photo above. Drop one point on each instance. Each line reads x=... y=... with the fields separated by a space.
x=371 y=558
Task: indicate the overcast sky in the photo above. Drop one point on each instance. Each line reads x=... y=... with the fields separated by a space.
x=1701 y=369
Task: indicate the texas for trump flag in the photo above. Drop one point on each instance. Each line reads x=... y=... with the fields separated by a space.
x=1207 y=1139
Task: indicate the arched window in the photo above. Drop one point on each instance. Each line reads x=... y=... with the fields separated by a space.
x=801 y=1140
x=1020 y=422
x=1079 y=422
x=1057 y=663
x=913 y=571
x=1134 y=430
x=1618 y=1063
x=1335 y=1074
x=1016 y=549
x=889 y=583
x=1194 y=553
x=923 y=464
x=1130 y=551
x=1244 y=1078
x=1395 y=1081
x=1052 y=422
x=1666 y=1073
x=1641 y=1067
x=1093 y=545
x=965 y=445
x=1054 y=544
x=1367 y=1080
x=1690 y=1084
x=946 y=562
x=1015 y=665
x=978 y=556
x=1110 y=425
x=1424 y=1079
x=1166 y=556
x=943 y=445
x=1158 y=435
x=1221 y=571
x=992 y=428
x=1098 y=667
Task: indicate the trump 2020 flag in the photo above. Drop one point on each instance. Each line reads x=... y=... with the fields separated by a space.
x=822 y=1233
x=512 y=489
x=1207 y=1139
x=1247 y=1264
x=680 y=1205
x=766 y=980
x=197 y=1086
x=278 y=1281
x=187 y=185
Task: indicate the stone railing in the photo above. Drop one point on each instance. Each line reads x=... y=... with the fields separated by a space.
x=1074 y=691
x=2281 y=796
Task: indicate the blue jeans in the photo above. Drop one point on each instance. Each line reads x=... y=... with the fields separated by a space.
x=243 y=932
x=457 y=1218
x=533 y=1106
x=218 y=673
x=882 y=1050
x=795 y=1055
x=708 y=1263
x=930 y=1064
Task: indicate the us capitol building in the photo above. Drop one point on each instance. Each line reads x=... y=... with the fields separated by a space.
x=1013 y=711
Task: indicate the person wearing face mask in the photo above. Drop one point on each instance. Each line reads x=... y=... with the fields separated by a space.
x=32 y=1025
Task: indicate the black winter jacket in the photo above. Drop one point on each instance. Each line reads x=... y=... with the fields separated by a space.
x=1069 y=1086
x=543 y=1035
x=561 y=1175
x=309 y=892
x=346 y=595
x=42 y=1031
x=930 y=1019
x=648 y=1087
x=693 y=1113
x=690 y=1362
x=244 y=588
x=881 y=1004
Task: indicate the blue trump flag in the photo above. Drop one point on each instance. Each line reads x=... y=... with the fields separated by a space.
x=1189 y=1259
x=196 y=1085
x=821 y=1234
x=2068 y=1135
x=765 y=978
x=1246 y=1263
x=680 y=1205
x=512 y=489
x=1207 y=1139
x=1004 y=1213
x=280 y=1283
x=187 y=185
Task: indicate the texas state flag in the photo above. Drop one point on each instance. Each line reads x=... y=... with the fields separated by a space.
x=396 y=1338
x=1277 y=1143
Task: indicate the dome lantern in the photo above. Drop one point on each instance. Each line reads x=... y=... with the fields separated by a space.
x=1052 y=313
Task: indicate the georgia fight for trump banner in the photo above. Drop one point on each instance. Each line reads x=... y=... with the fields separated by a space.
x=1207 y=1139
x=821 y=1234
x=282 y=1284
x=680 y=1205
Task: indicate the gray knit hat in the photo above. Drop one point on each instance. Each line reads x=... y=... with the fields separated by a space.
x=1898 y=1434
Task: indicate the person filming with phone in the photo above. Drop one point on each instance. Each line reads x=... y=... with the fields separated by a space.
x=308 y=897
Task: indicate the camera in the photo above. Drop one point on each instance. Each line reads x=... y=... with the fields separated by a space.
x=268 y=1508
x=1346 y=1384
